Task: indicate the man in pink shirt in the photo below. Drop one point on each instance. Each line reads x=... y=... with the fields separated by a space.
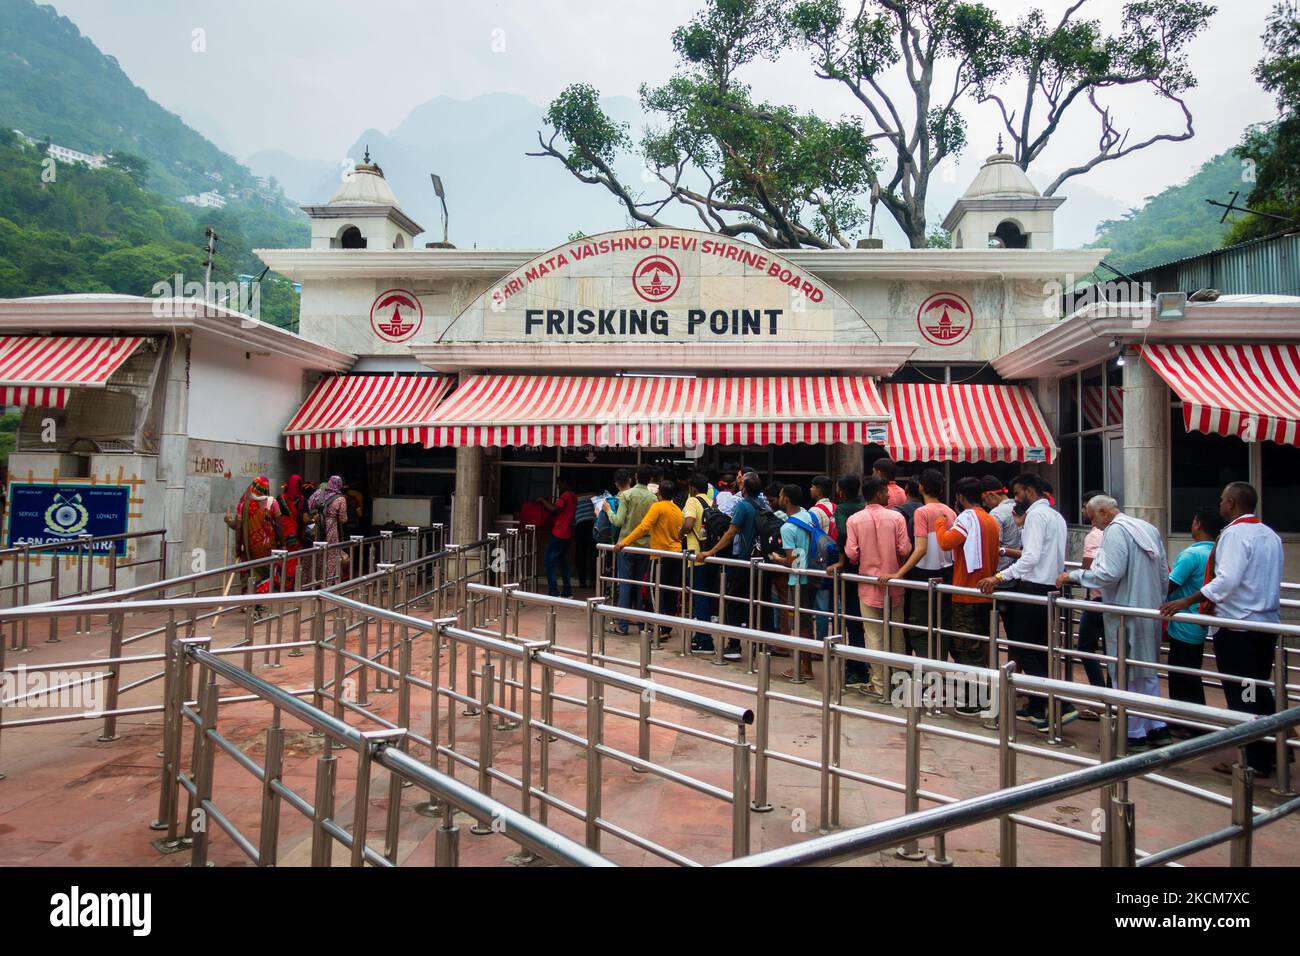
x=876 y=546
x=886 y=469
x=926 y=561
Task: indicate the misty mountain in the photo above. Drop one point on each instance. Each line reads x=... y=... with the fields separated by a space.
x=497 y=197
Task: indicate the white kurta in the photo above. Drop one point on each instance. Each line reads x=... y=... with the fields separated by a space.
x=1127 y=575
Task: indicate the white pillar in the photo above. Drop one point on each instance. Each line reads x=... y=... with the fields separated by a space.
x=1146 y=444
x=469 y=490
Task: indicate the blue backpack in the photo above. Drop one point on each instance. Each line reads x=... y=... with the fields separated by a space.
x=824 y=551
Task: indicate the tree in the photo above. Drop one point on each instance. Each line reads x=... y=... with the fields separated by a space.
x=1271 y=152
x=796 y=179
x=784 y=178
x=1076 y=60
x=137 y=167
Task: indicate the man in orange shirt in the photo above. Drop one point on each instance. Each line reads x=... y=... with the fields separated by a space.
x=973 y=541
x=876 y=543
x=663 y=523
x=886 y=469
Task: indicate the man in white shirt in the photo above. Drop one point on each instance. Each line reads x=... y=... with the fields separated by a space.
x=1243 y=583
x=1129 y=570
x=1041 y=561
x=1000 y=506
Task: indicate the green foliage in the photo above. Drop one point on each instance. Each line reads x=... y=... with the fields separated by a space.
x=593 y=137
x=1176 y=222
x=137 y=167
x=67 y=228
x=8 y=435
x=96 y=230
x=1272 y=151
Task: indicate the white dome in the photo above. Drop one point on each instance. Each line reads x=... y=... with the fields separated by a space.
x=366 y=186
x=1001 y=178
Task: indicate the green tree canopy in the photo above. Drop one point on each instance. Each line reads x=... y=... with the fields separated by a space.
x=789 y=178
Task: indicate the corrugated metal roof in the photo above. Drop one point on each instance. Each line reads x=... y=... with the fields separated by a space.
x=1285 y=237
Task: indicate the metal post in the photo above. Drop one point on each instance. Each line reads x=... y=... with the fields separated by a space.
x=1243 y=813
x=204 y=756
x=115 y=674
x=595 y=730
x=322 y=843
x=269 y=832
x=829 y=684
x=446 y=845
x=1123 y=847
x=1282 y=775
x=1007 y=762
x=1107 y=734
x=762 y=716
x=361 y=803
x=1053 y=665
x=740 y=794
x=911 y=850
x=485 y=737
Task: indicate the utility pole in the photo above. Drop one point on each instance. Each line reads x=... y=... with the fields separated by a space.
x=210 y=248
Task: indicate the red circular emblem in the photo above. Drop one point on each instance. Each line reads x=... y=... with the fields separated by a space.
x=656 y=278
x=396 y=315
x=945 y=319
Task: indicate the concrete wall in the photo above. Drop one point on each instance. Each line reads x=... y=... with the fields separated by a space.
x=216 y=474
x=240 y=396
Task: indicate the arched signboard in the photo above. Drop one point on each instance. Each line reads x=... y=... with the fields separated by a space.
x=648 y=285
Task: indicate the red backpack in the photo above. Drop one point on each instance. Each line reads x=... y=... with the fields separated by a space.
x=832 y=529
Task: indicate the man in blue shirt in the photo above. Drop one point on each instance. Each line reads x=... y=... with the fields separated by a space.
x=736 y=542
x=1187 y=641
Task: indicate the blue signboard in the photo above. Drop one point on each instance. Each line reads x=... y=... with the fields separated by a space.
x=48 y=514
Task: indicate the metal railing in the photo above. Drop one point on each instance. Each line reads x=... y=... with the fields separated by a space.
x=84 y=553
x=93 y=685
x=478 y=673
x=1110 y=778
x=908 y=673
x=384 y=749
x=1058 y=644
x=505 y=682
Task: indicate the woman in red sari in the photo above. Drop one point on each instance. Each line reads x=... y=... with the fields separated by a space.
x=256 y=524
x=293 y=507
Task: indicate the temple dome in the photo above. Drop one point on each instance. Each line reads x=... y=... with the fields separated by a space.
x=1001 y=178
x=365 y=187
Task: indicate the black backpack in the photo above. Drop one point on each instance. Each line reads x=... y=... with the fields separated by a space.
x=767 y=534
x=714 y=523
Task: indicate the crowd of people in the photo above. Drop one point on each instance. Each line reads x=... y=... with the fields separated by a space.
x=988 y=537
x=300 y=516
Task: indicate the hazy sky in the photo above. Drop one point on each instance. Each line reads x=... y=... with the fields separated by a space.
x=308 y=76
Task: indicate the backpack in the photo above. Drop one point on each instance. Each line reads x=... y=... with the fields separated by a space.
x=767 y=534
x=824 y=551
x=603 y=531
x=714 y=523
x=834 y=531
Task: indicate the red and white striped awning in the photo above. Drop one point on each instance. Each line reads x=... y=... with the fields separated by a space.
x=344 y=411
x=1251 y=391
x=659 y=411
x=40 y=370
x=966 y=423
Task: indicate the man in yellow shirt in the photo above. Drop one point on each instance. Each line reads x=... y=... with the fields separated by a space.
x=663 y=523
